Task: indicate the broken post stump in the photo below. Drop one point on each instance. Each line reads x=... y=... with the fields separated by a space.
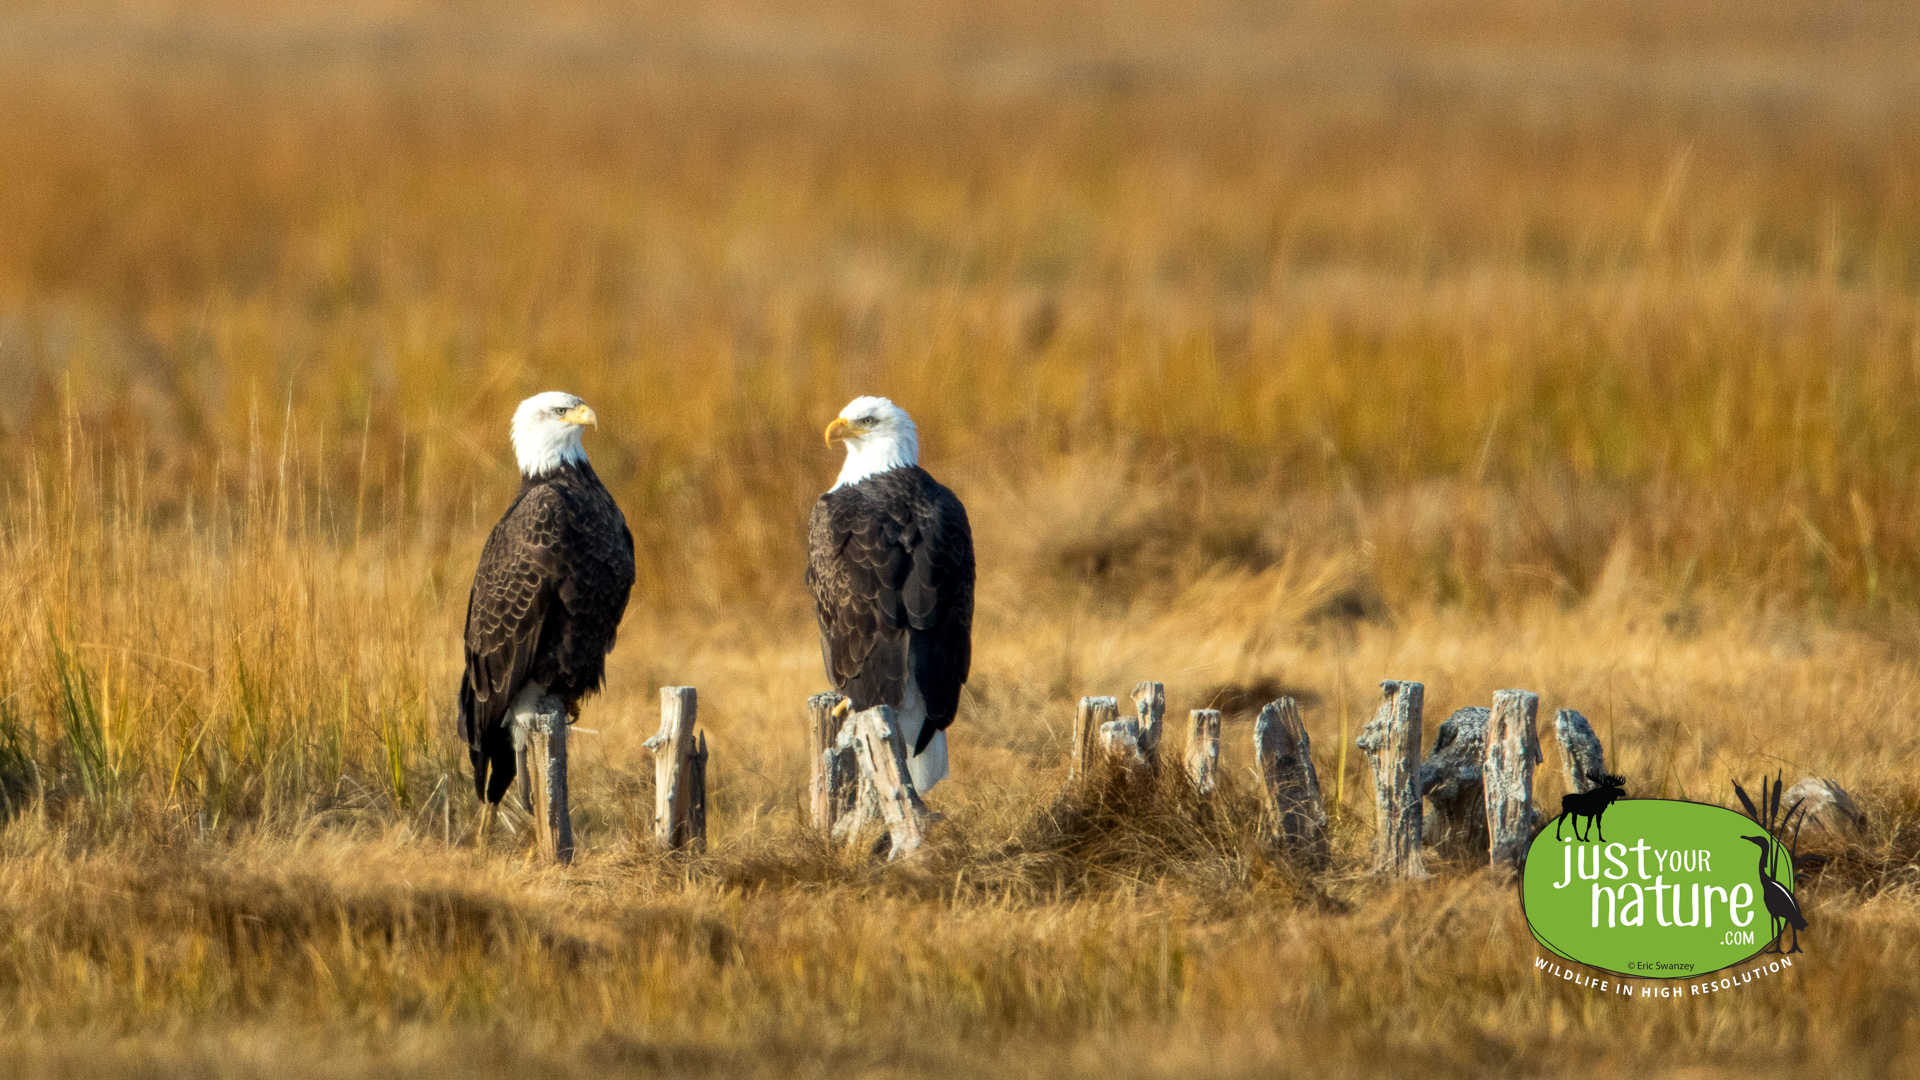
x=1391 y=741
x=697 y=793
x=834 y=791
x=881 y=751
x=679 y=773
x=1285 y=754
x=1123 y=750
x=1513 y=749
x=1149 y=707
x=540 y=739
x=1580 y=752
x=841 y=800
x=1203 y=749
x=862 y=807
x=1093 y=714
x=1456 y=821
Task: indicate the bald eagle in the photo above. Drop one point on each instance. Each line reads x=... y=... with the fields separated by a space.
x=548 y=595
x=890 y=564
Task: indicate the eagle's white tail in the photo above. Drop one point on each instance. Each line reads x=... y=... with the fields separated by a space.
x=928 y=767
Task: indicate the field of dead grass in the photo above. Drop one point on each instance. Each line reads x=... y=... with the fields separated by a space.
x=1570 y=346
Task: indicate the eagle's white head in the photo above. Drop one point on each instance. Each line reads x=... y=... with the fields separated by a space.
x=879 y=436
x=546 y=432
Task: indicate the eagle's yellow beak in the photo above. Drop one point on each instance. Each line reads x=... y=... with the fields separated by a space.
x=581 y=414
x=842 y=429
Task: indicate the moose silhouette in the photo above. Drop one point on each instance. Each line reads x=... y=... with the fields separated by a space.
x=1589 y=805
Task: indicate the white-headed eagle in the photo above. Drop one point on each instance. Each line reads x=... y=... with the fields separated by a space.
x=890 y=564
x=549 y=592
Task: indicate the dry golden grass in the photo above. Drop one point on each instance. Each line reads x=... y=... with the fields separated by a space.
x=1565 y=345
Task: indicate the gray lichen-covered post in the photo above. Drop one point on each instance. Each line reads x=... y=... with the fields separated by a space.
x=1391 y=742
x=1513 y=750
x=1093 y=713
x=1123 y=749
x=542 y=739
x=679 y=772
x=1456 y=819
x=1580 y=751
x=1150 y=708
x=878 y=746
x=1285 y=754
x=834 y=785
x=1203 y=749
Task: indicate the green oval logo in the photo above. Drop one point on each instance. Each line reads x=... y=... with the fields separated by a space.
x=1675 y=889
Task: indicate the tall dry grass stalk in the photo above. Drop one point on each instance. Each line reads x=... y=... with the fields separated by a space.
x=1488 y=344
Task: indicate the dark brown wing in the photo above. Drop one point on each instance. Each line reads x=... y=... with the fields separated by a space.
x=850 y=546
x=514 y=594
x=546 y=604
x=939 y=601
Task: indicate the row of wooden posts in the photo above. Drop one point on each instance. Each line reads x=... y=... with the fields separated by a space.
x=1479 y=777
x=679 y=773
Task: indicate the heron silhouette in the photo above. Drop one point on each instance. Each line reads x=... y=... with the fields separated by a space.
x=1781 y=906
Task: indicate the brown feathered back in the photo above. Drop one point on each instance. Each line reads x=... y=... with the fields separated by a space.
x=890 y=564
x=547 y=600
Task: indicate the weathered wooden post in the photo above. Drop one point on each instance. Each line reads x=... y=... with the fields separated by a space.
x=697 y=794
x=1285 y=754
x=1580 y=751
x=1513 y=749
x=835 y=788
x=1203 y=749
x=881 y=751
x=862 y=805
x=1149 y=707
x=1391 y=741
x=1093 y=714
x=679 y=773
x=1456 y=823
x=540 y=742
x=1130 y=745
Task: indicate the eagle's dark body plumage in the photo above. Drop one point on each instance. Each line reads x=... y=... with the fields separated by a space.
x=547 y=600
x=890 y=564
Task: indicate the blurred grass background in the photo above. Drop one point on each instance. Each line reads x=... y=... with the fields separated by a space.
x=1274 y=348
x=1572 y=272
